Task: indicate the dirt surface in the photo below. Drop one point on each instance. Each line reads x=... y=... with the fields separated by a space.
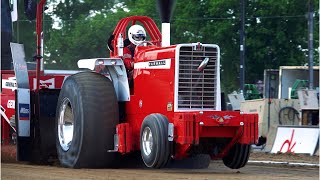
x=8 y=153
x=216 y=170
x=294 y=158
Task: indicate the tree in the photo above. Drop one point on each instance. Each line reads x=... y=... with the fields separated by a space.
x=277 y=35
x=276 y=32
x=84 y=29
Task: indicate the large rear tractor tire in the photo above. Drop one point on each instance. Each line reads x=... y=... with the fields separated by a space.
x=87 y=115
x=238 y=156
x=154 y=144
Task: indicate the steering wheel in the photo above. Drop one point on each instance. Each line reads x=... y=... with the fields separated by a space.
x=148 y=42
x=141 y=44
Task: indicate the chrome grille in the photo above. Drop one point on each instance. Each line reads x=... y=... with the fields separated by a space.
x=197 y=90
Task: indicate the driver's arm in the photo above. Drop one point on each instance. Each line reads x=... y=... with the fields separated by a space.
x=127 y=58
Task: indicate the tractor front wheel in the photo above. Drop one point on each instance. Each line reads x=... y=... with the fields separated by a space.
x=238 y=156
x=154 y=144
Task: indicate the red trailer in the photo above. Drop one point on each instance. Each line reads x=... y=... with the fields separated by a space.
x=170 y=110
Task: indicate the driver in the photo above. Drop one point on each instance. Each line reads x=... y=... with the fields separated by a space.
x=137 y=35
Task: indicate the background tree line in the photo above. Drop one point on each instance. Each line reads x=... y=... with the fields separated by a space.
x=276 y=31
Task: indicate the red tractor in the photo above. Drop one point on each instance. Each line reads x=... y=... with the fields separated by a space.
x=170 y=110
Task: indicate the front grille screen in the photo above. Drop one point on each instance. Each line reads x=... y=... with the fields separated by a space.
x=197 y=90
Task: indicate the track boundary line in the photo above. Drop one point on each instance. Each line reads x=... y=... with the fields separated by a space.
x=285 y=163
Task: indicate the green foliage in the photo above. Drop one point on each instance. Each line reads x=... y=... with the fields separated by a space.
x=278 y=38
x=276 y=32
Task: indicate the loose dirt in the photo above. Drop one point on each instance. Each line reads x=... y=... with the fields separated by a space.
x=216 y=170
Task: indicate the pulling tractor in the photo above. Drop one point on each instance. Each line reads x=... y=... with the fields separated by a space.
x=170 y=110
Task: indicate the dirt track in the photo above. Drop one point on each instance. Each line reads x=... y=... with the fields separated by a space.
x=216 y=170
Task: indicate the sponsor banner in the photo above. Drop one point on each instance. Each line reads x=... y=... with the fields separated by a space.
x=9 y=83
x=156 y=64
x=297 y=139
x=23 y=112
x=49 y=83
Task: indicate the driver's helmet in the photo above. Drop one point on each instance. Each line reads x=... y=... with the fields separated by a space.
x=137 y=34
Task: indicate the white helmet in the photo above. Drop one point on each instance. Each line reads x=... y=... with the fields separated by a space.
x=136 y=34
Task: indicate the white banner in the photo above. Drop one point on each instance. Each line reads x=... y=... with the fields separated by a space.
x=23 y=112
x=296 y=140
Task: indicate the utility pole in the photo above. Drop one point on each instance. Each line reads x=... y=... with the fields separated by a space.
x=310 y=43
x=242 y=46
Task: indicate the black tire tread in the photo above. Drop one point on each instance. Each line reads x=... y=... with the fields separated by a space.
x=168 y=144
x=245 y=160
x=237 y=157
x=161 y=144
x=160 y=123
x=230 y=159
x=165 y=149
x=99 y=119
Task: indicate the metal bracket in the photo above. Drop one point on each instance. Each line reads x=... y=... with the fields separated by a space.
x=170 y=131
x=116 y=144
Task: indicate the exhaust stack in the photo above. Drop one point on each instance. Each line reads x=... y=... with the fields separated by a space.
x=165 y=31
x=165 y=8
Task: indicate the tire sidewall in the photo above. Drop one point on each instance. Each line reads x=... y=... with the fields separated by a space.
x=152 y=158
x=70 y=157
x=96 y=115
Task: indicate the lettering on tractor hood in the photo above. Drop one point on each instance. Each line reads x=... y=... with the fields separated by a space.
x=157 y=63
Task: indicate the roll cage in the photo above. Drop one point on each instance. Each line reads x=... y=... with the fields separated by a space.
x=121 y=27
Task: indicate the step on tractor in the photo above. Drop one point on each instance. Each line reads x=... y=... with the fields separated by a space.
x=170 y=109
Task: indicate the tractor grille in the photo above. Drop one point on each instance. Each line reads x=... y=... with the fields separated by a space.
x=197 y=90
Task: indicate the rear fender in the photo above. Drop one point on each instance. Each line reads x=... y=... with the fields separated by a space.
x=114 y=69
